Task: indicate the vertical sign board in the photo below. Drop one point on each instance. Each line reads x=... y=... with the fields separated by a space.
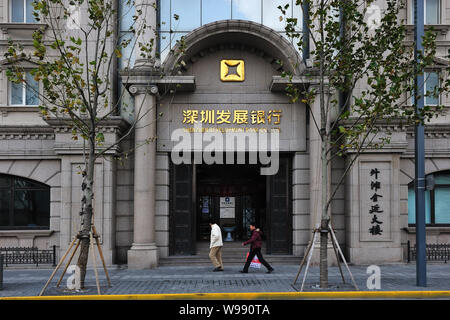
x=227 y=205
x=375 y=200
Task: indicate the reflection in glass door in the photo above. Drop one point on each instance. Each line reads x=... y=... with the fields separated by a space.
x=248 y=215
x=205 y=214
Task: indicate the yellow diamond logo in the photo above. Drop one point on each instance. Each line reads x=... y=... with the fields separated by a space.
x=232 y=70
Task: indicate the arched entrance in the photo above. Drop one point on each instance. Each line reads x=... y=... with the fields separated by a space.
x=236 y=193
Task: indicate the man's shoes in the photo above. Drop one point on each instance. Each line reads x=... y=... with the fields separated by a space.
x=270 y=270
x=217 y=269
x=242 y=271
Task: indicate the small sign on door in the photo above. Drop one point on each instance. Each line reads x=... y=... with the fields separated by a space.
x=227 y=207
x=227 y=202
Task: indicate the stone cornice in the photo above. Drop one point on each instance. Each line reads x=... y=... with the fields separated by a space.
x=440 y=28
x=152 y=81
x=440 y=130
x=26 y=133
x=26 y=233
x=31 y=27
x=111 y=124
x=309 y=80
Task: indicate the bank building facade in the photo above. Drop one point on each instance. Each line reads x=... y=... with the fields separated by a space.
x=150 y=207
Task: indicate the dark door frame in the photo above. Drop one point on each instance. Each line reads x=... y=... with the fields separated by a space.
x=284 y=157
x=173 y=192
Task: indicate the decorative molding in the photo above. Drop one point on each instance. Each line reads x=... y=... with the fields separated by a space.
x=432 y=131
x=309 y=80
x=136 y=89
x=31 y=27
x=26 y=133
x=265 y=41
x=440 y=28
x=139 y=81
x=25 y=233
x=113 y=124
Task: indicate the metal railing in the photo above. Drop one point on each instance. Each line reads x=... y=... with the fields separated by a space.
x=28 y=255
x=434 y=252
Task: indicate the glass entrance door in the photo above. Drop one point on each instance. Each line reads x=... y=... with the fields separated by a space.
x=233 y=196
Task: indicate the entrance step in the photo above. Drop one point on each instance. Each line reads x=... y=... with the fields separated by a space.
x=233 y=253
x=198 y=260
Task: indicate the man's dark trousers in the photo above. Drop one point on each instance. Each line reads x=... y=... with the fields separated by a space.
x=257 y=252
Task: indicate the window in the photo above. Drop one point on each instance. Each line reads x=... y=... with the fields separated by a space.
x=126 y=38
x=432 y=11
x=129 y=49
x=437 y=200
x=431 y=82
x=24 y=204
x=179 y=17
x=24 y=94
x=22 y=11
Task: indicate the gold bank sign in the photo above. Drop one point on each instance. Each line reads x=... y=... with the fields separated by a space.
x=231 y=120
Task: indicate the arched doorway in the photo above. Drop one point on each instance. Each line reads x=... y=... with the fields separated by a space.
x=234 y=194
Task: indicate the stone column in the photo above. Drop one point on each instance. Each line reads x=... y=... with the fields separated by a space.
x=144 y=253
x=146 y=25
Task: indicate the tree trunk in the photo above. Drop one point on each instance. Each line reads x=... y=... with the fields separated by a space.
x=86 y=220
x=324 y=144
x=324 y=219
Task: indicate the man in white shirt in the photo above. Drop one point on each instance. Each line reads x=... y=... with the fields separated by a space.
x=215 y=252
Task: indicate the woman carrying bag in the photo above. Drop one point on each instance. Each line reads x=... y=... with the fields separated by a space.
x=255 y=249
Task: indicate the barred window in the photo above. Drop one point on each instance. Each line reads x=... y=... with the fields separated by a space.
x=24 y=203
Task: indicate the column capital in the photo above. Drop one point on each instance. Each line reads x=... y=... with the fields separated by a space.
x=136 y=89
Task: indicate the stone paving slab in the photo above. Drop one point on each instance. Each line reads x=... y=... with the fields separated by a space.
x=201 y=279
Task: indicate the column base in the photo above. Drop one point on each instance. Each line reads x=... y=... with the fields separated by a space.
x=143 y=256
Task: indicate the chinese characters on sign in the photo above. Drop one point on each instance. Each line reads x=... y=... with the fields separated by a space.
x=375 y=209
x=192 y=116
x=375 y=200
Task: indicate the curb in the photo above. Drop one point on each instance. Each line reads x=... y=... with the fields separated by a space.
x=254 y=296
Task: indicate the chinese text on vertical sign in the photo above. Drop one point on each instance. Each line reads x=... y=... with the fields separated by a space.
x=375 y=208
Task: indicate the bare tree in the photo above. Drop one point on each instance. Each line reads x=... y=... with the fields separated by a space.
x=349 y=49
x=75 y=63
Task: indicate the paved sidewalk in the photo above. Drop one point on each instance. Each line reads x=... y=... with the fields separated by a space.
x=201 y=279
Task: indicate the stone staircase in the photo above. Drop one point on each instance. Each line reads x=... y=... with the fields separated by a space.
x=233 y=253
